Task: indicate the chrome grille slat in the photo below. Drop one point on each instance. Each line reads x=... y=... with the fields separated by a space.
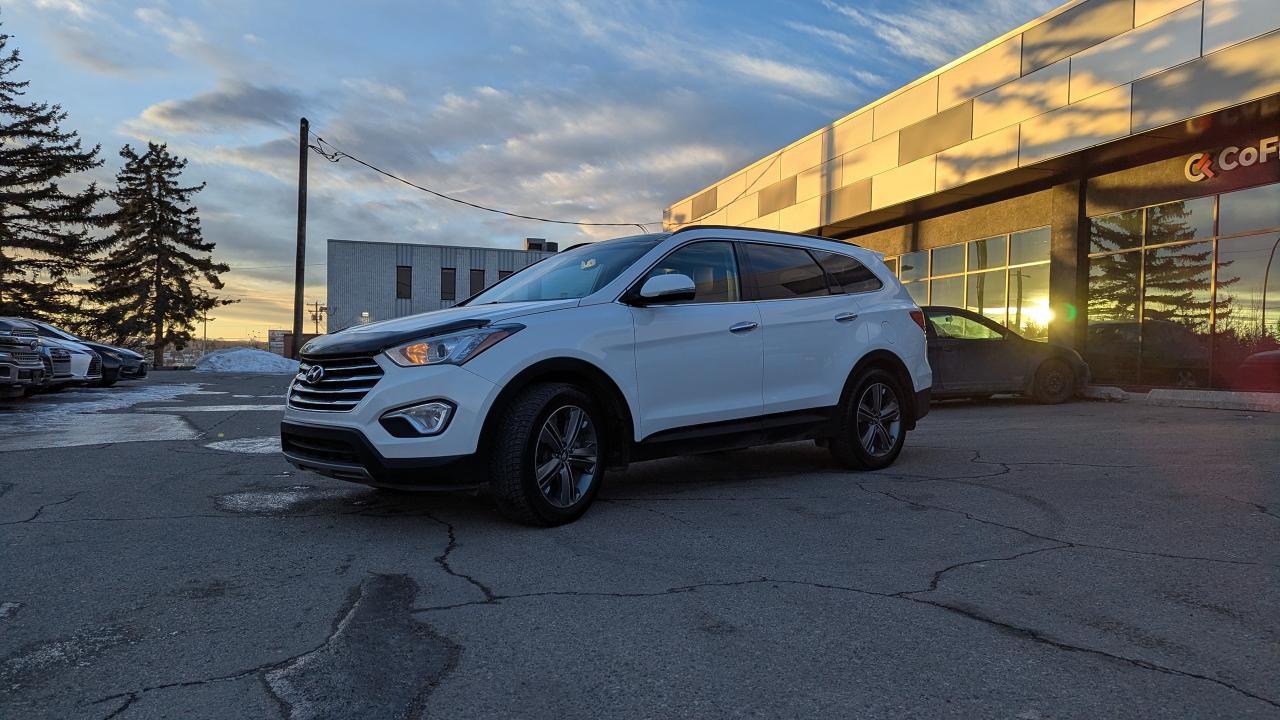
x=345 y=383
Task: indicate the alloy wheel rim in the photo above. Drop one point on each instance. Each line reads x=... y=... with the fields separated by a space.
x=565 y=458
x=879 y=420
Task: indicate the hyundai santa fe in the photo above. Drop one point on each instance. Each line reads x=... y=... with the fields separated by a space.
x=632 y=349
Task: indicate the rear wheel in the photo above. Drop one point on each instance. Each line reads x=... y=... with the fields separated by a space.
x=872 y=428
x=548 y=457
x=1055 y=383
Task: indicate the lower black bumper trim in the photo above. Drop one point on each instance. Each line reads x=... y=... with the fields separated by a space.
x=346 y=454
x=923 y=398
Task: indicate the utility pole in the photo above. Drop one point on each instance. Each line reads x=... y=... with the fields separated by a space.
x=300 y=267
x=317 y=312
x=204 y=344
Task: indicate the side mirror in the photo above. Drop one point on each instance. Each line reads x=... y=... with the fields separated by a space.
x=671 y=287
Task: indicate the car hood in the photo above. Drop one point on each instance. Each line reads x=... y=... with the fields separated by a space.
x=67 y=345
x=378 y=336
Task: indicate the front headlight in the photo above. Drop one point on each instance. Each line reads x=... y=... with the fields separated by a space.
x=452 y=349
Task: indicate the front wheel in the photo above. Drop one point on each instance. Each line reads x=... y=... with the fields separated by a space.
x=548 y=456
x=872 y=430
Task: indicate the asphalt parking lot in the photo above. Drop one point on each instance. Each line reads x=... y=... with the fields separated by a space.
x=160 y=560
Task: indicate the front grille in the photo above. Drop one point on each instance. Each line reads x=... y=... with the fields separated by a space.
x=345 y=383
x=61 y=366
x=26 y=333
x=327 y=450
x=27 y=357
x=95 y=367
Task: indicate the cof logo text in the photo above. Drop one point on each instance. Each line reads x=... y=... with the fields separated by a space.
x=1206 y=166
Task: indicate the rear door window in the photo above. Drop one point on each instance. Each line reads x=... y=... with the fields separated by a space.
x=777 y=272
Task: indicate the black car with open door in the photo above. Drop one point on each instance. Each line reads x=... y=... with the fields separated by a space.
x=973 y=356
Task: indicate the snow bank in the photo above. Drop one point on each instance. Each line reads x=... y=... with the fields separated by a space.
x=246 y=360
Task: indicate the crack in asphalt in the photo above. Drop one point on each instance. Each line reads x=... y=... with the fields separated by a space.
x=300 y=683
x=1256 y=506
x=1048 y=538
x=1018 y=631
x=41 y=509
x=443 y=558
x=936 y=580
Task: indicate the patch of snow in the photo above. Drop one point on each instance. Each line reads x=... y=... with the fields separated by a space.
x=246 y=360
x=278 y=502
x=258 y=445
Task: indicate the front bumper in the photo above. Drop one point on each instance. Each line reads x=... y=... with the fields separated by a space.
x=346 y=454
x=21 y=374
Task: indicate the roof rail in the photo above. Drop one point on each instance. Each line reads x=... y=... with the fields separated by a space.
x=842 y=243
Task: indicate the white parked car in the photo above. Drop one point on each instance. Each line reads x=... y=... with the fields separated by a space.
x=643 y=347
x=86 y=365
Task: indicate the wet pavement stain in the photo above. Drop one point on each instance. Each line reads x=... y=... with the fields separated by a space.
x=378 y=662
x=295 y=500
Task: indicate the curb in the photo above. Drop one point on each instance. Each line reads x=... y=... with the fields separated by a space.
x=1209 y=399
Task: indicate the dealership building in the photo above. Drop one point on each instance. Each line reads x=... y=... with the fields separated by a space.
x=1106 y=176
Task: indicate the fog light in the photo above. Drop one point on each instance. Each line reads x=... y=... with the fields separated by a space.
x=429 y=418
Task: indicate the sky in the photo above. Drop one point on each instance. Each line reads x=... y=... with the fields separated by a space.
x=585 y=110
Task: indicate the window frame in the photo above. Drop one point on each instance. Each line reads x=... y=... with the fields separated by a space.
x=631 y=296
x=752 y=287
x=453 y=284
x=407 y=284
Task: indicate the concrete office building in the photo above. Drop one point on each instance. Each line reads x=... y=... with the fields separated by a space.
x=1107 y=176
x=370 y=281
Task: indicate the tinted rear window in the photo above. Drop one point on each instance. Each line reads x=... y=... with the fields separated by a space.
x=847 y=274
x=781 y=273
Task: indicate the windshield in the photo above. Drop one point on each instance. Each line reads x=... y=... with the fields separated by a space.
x=53 y=332
x=574 y=273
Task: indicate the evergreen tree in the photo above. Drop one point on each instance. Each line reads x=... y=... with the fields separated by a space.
x=145 y=282
x=43 y=227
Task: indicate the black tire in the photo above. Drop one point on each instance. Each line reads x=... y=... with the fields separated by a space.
x=1055 y=383
x=850 y=446
x=512 y=481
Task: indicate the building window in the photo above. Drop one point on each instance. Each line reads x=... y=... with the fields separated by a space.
x=448 y=284
x=476 y=282
x=404 y=282
x=504 y=274
x=1174 y=301
x=1005 y=278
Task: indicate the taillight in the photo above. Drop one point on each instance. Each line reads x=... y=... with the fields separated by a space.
x=918 y=317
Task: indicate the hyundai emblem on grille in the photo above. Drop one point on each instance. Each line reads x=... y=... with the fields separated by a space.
x=315 y=374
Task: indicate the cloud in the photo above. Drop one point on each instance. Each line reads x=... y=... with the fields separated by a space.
x=936 y=32
x=93 y=51
x=787 y=77
x=232 y=105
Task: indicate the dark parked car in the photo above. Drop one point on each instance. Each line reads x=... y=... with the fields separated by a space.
x=973 y=356
x=1260 y=372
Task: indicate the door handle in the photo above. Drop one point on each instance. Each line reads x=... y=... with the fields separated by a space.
x=744 y=327
x=845 y=317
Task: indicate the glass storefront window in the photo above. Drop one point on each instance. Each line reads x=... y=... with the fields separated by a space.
x=1112 y=342
x=948 y=260
x=1029 y=312
x=988 y=253
x=985 y=295
x=892 y=264
x=1249 y=211
x=1029 y=246
x=914 y=266
x=1164 y=314
x=1176 y=305
x=947 y=291
x=1118 y=231
x=919 y=291
x=1180 y=221
x=1247 y=312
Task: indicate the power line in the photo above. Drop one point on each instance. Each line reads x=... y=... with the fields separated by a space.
x=334 y=155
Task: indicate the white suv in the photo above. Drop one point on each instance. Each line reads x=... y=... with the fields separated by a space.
x=704 y=339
